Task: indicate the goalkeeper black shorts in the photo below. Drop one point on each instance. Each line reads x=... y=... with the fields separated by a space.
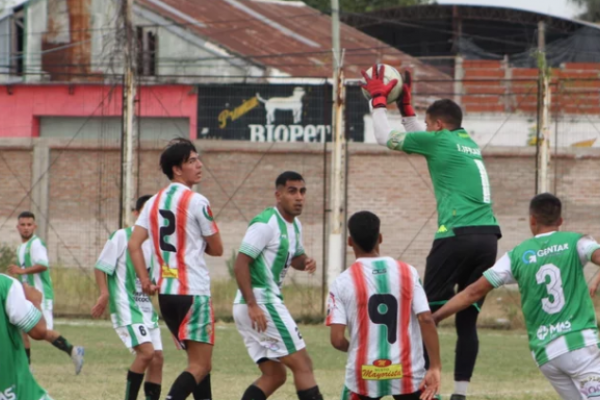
x=455 y=262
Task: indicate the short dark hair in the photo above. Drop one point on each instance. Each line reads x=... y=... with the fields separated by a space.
x=139 y=204
x=26 y=214
x=283 y=179
x=364 y=230
x=175 y=154
x=447 y=111
x=546 y=208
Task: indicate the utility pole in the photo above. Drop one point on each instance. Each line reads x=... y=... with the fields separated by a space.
x=128 y=135
x=544 y=99
x=335 y=263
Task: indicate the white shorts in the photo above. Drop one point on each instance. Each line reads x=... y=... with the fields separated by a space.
x=575 y=375
x=281 y=338
x=135 y=334
x=47 y=313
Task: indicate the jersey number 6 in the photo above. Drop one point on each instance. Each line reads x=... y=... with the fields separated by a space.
x=167 y=231
x=383 y=310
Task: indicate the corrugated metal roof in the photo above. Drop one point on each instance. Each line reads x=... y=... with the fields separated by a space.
x=287 y=36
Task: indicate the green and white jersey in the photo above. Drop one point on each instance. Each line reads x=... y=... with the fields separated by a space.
x=128 y=303
x=458 y=174
x=17 y=314
x=557 y=307
x=272 y=243
x=31 y=253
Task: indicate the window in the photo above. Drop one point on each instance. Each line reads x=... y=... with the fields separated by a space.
x=147 y=40
x=17 y=43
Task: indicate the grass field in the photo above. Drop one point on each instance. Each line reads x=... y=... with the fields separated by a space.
x=505 y=369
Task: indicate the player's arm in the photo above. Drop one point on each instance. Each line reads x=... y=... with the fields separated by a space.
x=22 y=306
x=304 y=263
x=214 y=245
x=39 y=258
x=337 y=337
x=589 y=250
x=136 y=253
x=208 y=226
x=106 y=265
x=336 y=319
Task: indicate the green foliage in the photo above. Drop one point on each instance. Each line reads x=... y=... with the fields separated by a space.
x=231 y=263
x=591 y=9
x=360 y=6
x=8 y=256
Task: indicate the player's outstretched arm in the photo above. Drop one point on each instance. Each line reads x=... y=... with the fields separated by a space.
x=304 y=263
x=241 y=270
x=137 y=239
x=464 y=299
x=431 y=383
x=337 y=337
x=595 y=258
x=102 y=302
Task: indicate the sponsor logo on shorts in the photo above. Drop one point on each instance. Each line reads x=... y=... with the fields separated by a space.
x=590 y=387
x=381 y=369
x=209 y=329
x=271 y=343
x=561 y=327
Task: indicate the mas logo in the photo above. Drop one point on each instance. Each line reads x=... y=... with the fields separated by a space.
x=8 y=394
x=561 y=327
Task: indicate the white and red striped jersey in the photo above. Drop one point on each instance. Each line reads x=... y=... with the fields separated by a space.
x=379 y=300
x=178 y=219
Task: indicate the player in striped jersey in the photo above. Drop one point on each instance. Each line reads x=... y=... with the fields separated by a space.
x=383 y=305
x=559 y=313
x=131 y=310
x=34 y=270
x=273 y=243
x=19 y=312
x=181 y=227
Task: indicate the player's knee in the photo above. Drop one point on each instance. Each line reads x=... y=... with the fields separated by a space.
x=144 y=354
x=158 y=359
x=199 y=368
x=303 y=364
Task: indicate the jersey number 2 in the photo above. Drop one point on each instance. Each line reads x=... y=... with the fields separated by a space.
x=167 y=231
x=556 y=301
x=383 y=310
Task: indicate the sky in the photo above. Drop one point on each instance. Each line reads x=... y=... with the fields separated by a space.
x=560 y=8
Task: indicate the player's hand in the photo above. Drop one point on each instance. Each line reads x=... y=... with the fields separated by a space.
x=430 y=385
x=148 y=287
x=33 y=295
x=15 y=270
x=310 y=265
x=257 y=316
x=594 y=286
x=100 y=306
x=377 y=89
x=404 y=102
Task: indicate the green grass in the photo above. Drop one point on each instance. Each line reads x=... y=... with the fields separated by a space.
x=504 y=369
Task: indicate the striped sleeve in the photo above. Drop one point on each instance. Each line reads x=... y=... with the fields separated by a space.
x=113 y=249
x=200 y=208
x=586 y=246
x=256 y=239
x=20 y=311
x=300 y=247
x=39 y=253
x=336 y=312
x=501 y=273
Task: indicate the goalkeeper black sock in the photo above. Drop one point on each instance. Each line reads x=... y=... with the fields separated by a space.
x=310 y=394
x=203 y=391
x=152 y=391
x=28 y=352
x=63 y=344
x=183 y=386
x=254 y=393
x=134 y=382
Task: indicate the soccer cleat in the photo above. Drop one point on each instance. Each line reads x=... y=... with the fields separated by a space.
x=458 y=397
x=77 y=357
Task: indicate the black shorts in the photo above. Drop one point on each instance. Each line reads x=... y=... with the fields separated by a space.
x=188 y=318
x=412 y=396
x=458 y=261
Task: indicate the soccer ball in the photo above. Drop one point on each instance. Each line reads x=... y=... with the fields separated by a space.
x=389 y=74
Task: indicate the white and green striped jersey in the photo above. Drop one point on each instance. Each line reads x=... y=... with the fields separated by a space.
x=558 y=310
x=17 y=314
x=128 y=303
x=272 y=243
x=34 y=252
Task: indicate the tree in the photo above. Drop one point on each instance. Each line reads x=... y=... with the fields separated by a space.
x=360 y=6
x=591 y=9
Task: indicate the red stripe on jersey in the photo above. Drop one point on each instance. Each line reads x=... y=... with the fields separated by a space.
x=406 y=298
x=154 y=234
x=362 y=319
x=330 y=308
x=182 y=209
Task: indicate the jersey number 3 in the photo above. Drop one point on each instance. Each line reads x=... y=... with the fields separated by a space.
x=166 y=231
x=383 y=310
x=556 y=301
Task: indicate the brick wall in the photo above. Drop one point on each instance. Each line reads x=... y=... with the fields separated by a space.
x=238 y=180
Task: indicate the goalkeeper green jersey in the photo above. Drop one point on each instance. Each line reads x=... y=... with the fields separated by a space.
x=557 y=307
x=17 y=314
x=460 y=180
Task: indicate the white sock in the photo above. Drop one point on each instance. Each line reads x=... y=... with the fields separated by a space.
x=460 y=387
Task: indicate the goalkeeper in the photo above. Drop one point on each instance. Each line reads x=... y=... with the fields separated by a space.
x=466 y=241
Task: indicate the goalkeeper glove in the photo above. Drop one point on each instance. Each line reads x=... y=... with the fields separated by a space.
x=376 y=88
x=404 y=102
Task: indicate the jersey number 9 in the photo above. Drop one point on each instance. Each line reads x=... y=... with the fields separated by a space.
x=383 y=310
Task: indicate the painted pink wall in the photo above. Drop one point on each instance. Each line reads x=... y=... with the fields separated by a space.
x=21 y=106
